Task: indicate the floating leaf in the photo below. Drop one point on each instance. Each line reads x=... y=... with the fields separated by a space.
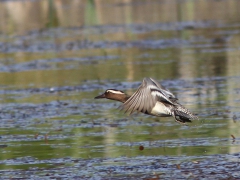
x=141 y=148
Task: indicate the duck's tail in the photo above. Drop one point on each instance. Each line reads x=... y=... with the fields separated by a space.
x=182 y=114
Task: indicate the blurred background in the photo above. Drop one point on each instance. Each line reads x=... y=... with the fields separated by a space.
x=56 y=56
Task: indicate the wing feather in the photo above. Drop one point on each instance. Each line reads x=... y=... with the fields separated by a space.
x=141 y=104
x=146 y=96
x=164 y=90
x=129 y=105
x=134 y=105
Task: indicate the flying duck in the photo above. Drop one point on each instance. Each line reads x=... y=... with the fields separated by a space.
x=150 y=98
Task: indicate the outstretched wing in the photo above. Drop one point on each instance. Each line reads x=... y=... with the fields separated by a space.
x=164 y=90
x=146 y=96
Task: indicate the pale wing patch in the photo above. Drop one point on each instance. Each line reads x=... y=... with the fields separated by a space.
x=160 y=95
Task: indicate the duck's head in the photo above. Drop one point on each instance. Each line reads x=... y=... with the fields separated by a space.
x=113 y=94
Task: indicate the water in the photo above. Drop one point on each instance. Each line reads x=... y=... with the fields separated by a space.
x=54 y=62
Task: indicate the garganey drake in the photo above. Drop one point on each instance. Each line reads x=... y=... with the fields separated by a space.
x=151 y=98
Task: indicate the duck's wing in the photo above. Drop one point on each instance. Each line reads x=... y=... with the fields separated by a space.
x=145 y=98
x=164 y=90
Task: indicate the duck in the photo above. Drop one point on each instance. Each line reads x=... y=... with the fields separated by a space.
x=150 y=98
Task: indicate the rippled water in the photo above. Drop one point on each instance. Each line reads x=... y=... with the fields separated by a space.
x=52 y=127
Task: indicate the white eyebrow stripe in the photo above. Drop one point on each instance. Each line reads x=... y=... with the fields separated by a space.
x=115 y=92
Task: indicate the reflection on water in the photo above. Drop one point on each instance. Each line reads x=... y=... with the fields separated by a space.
x=74 y=13
x=55 y=56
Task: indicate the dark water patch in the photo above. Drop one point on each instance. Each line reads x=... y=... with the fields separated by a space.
x=111 y=29
x=22 y=115
x=38 y=40
x=228 y=32
x=53 y=64
x=188 y=142
x=30 y=138
x=42 y=46
x=3 y=145
x=87 y=44
x=163 y=167
x=208 y=50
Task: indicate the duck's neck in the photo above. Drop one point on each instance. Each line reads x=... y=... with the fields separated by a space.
x=125 y=99
x=122 y=98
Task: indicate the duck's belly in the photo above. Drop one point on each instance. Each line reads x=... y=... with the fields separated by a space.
x=161 y=110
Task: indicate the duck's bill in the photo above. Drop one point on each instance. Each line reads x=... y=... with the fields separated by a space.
x=100 y=96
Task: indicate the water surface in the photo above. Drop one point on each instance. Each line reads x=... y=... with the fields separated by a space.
x=54 y=62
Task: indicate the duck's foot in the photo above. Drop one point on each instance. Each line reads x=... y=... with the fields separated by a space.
x=182 y=120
